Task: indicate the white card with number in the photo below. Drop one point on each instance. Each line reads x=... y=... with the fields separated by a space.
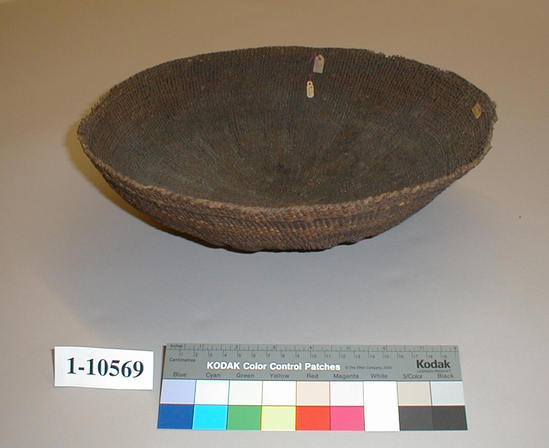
x=103 y=368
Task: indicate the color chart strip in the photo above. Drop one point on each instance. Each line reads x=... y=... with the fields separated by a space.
x=311 y=405
x=311 y=388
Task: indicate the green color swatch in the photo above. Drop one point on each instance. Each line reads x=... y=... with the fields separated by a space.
x=278 y=418
x=244 y=417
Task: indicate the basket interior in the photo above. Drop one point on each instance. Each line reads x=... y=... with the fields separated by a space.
x=238 y=127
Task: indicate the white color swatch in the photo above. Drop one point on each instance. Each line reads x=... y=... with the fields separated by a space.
x=245 y=392
x=212 y=392
x=343 y=393
x=279 y=393
x=447 y=393
x=381 y=406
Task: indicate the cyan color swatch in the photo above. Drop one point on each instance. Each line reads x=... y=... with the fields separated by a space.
x=208 y=416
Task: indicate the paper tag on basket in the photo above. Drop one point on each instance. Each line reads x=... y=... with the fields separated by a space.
x=318 y=66
x=310 y=89
x=477 y=110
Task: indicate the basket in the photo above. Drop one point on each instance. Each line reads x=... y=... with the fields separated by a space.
x=287 y=148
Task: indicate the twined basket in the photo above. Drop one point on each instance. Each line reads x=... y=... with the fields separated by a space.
x=287 y=148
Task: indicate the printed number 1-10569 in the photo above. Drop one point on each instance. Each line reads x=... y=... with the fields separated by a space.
x=102 y=367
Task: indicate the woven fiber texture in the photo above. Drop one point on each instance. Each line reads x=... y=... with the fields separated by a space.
x=228 y=147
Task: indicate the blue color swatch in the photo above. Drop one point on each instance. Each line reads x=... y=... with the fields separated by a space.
x=176 y=416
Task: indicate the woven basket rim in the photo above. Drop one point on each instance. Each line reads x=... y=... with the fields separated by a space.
x=286 y=209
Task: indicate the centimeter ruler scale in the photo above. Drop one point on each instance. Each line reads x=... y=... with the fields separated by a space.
x=311 y=387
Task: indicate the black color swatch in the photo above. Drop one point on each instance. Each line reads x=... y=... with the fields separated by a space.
x=449 y=418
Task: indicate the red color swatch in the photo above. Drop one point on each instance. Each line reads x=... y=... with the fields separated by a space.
x=313 y=418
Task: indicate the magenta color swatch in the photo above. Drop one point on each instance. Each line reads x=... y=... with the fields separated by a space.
x=347 y=418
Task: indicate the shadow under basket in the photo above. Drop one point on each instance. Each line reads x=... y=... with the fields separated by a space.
x=287 y=148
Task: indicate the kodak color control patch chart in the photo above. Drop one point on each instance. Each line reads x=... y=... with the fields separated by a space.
x=311 y=388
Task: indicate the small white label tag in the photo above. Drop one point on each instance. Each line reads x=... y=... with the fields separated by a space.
x=103 y=368
x=310 y=89
x=477 y=110
x=318 y=66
